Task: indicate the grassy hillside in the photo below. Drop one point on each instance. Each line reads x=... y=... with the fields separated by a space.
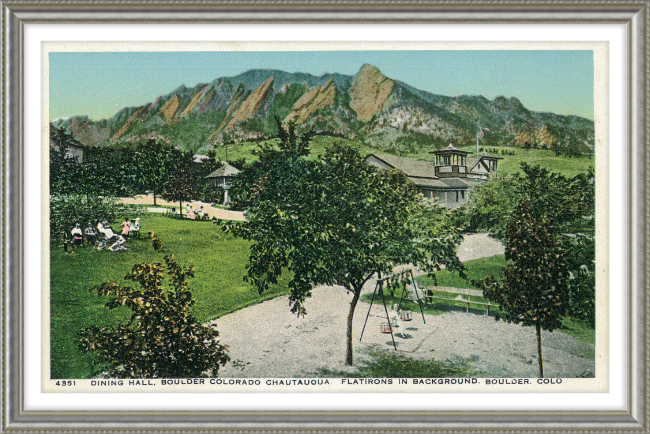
x=510 y=163
x=568 y=166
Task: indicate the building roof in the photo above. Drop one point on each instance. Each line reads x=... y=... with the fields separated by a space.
x=443 y=183
x=472 y=161
x=450 y=149
x=225 y=170
x=410 y=166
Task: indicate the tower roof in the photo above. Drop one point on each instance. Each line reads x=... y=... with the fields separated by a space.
x=451 y=149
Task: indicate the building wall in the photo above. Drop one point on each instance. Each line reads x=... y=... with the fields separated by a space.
x=448 y=198
x=76 y=151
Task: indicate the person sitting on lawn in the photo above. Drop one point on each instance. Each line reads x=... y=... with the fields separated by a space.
x=101 y=236
x=136 y=227
x=118 y=244
x=126 y=227
x=77 y=236
x=201 y=213
x=109 y=235
x=190 y=214
x=90 y=233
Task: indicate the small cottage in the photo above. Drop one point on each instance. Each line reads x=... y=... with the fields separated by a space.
x=73 y=150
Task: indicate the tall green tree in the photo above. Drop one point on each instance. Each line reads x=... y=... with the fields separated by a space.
x=155 y=161
x=109 y=171
x=566 y=200
x=569 y=202
x=534 y=291
x=66 y=171
x=334 y=221
x=182 y=186
x=162 y=338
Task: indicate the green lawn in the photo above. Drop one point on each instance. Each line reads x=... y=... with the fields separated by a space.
x=217 y=287
x=477 y=269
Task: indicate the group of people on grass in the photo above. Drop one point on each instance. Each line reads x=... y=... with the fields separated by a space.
x=103 y=235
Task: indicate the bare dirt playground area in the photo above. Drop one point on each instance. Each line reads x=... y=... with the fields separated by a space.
x=273 y=342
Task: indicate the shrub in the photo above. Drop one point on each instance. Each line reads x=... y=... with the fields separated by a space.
x=162 y=339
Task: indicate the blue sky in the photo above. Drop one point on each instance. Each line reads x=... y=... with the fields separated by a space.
x=100 y=84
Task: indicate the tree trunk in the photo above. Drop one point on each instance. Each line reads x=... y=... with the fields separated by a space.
x=154 y=198
x=353 y=305
x=539 y=349
x=181 y=209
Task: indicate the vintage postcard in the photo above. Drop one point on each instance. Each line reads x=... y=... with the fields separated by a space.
x=325 y=217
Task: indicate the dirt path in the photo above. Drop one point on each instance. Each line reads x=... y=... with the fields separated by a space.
x=275 y=343
x=219 y=213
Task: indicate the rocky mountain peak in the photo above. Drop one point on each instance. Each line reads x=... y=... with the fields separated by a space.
x=370 y=92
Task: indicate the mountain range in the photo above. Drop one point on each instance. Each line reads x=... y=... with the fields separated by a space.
x=369 y=107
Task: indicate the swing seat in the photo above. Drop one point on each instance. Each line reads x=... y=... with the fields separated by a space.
x=406 y=315
x=385 y=327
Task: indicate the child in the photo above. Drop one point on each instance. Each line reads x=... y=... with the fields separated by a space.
x=126 y=227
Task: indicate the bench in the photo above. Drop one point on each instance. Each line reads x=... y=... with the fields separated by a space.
x=462 y=293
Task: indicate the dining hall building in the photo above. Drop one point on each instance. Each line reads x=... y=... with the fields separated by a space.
x=449 y=178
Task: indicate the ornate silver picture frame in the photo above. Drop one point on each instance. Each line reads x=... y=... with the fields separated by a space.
x=16 y=416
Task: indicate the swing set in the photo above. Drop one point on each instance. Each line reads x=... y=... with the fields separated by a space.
x=406 y=277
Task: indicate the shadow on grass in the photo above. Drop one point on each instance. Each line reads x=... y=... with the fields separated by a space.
x=392 y=365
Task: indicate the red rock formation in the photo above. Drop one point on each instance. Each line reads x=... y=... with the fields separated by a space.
x=169 y=109
x=128 y=123
x=370 y=92
x=249 y=107
x=316 y=99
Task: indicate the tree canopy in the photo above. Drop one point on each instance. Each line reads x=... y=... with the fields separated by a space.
x=534 y=291
x=155 y=162
x=334 y=220
x=567 y=204
x=182 y=186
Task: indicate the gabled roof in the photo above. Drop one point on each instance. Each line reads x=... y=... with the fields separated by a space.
x=410 y=166
x=225 y=170
x=472 y=161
